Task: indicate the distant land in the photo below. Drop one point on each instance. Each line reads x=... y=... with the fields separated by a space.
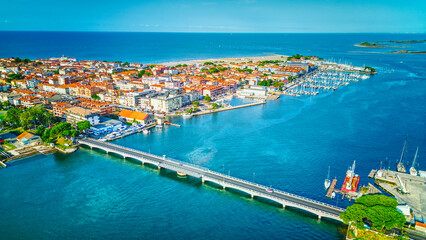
x=382 y=44
x=379 y=44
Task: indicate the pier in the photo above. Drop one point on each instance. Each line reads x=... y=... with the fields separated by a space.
x=406 y=188
x=253 y=189
x=331 y=189
x=228 y=108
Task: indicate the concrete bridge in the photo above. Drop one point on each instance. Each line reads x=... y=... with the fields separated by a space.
x=253 y=189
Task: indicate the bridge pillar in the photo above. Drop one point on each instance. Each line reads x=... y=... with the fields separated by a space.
x=251 y=195
x=159 y=167
x=202 y=179
x=283 y=205
x=319 y=217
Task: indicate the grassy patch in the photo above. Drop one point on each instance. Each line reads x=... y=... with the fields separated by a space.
x=18 y=130
x=8 y=146
x=60 y=143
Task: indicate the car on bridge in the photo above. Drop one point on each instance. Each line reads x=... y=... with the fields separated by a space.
x=270 y=190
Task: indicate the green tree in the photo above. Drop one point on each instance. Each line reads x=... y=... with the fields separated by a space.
x=207 y=98
x=40 y=130
x=58 y=129
x=96 y=97
x=17 y=60
x=189 y=110
x=6 y=104
x=379 y=209
x=74 y=133
x=46 y=135
x=83 y=125
x=12 y=117
x=141 y=73
x=66 y=133
x=215 y=105
x=196 y=103
x=25 y=118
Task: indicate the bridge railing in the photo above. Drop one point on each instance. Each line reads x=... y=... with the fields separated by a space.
x=92 y=141
x=277 y=190
x=280 y=200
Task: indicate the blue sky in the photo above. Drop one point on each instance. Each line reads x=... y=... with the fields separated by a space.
x=270 y=16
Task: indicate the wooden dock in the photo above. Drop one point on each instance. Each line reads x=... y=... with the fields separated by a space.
x=372 y=173
x=171 y=124
x=331 y=189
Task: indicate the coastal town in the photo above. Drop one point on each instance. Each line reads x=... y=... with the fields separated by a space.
x=116 y=99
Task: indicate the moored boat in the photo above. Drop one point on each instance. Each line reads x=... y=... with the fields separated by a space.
x=327 y=181
x=351 y=180
x=400 y=167
x=413 y=170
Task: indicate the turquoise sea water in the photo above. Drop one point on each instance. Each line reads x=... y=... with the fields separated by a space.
x=288 y=143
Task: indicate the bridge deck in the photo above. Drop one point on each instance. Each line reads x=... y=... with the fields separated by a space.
x=254 y=189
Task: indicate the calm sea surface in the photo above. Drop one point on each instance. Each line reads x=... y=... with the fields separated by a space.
x=288 y=143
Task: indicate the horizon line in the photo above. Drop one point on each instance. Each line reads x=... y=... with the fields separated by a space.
x=213 y=32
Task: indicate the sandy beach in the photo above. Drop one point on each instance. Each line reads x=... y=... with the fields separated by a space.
x=228 y=60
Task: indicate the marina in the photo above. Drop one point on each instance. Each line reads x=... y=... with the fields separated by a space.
x=320 y=81
x=125 y=131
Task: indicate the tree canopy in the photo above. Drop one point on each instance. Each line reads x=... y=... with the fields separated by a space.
x=379 y=209
x=28 y=118
x=83 y=125
x=267 y=83
x=96 y=97
x=144 y=72
x=207 y=98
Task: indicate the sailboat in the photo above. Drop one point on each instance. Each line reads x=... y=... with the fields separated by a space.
x=400 y=167
x=413 y=170
x=327 y=181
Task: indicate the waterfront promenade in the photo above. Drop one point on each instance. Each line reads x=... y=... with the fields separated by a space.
x=226 y=181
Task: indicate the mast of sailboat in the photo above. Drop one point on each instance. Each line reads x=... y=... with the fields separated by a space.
x=403 y=151
x=328 y=175
x=415 y=157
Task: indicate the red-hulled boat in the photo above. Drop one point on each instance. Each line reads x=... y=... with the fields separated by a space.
x=351 y=180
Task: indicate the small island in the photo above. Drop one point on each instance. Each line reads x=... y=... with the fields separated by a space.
x=371 y=45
